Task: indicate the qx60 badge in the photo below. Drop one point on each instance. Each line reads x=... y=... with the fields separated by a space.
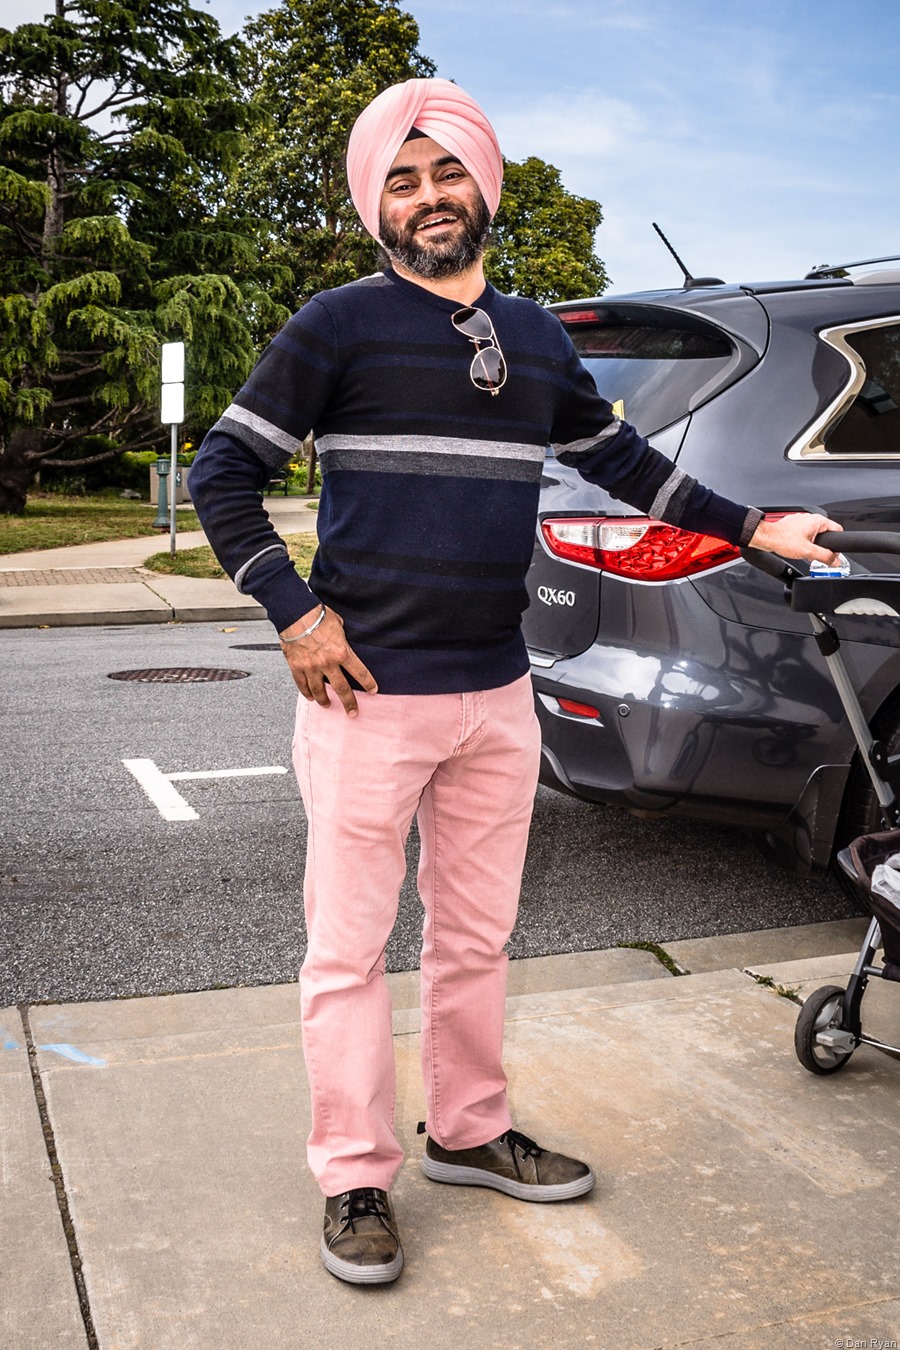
x=551 y=596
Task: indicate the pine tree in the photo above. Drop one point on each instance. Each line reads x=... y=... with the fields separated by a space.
x=120 y=123
x=314 y=65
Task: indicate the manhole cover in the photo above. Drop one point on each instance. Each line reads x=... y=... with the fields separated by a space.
x=256 y=646
x=178 y=675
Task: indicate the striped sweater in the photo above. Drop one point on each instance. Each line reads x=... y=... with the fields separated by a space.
x=429 y=485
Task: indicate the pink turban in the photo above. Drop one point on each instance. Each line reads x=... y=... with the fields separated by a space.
x=438 y=109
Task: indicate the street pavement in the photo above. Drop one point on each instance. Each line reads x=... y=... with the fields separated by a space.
x=155 y=1192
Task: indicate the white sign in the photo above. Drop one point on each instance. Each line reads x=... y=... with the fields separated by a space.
x=172 y=404
x=172 y=401
x=172 y=362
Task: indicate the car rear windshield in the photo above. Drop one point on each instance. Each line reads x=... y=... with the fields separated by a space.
x=657 y=366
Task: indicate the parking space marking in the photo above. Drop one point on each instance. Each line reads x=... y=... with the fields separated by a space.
x=167 y=799
x=226 y=773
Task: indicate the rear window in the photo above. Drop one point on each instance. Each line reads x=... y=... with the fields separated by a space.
x=871 y=425
x=656 y=368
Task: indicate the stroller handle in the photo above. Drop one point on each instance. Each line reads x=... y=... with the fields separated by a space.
x=838 y=541
x=859 y=541
x=770 y=563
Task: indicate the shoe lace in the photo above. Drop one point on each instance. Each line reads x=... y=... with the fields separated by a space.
x=366 y=1202
x=527 y=1147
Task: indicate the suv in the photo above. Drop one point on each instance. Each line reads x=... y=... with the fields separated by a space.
x=669 y=676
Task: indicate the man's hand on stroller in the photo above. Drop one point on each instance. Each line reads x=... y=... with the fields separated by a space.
x=792 y=536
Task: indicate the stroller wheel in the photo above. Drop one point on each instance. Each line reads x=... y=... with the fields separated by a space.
x=823 y=1011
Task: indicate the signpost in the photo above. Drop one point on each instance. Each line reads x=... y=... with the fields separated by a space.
x=172 y=414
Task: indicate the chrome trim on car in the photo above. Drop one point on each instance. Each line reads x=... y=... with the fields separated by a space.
x=811 y=444
x=541 y=659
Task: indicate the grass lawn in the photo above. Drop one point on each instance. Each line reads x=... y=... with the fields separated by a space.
x=52 y=521
x=201 y=562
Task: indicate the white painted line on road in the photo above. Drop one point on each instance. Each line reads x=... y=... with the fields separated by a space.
x=225 y=773
x=168 y=800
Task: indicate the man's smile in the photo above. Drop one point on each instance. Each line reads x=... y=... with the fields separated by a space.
x=436 y=222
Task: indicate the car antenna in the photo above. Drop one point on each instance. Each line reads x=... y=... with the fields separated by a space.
x=689 y=281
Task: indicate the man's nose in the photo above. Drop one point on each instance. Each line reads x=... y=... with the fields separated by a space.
x=430 y=193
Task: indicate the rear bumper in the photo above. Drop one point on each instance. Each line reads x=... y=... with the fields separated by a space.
x=676 y=738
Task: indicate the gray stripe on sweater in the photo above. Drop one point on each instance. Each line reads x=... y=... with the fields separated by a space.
x=267 y=430
x=573 y=450
x=670 y=501
x=431 y=465
x=433 y=445
x=241 y=573
x=264 y=450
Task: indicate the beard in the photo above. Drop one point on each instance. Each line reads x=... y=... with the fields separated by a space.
x=435 y=259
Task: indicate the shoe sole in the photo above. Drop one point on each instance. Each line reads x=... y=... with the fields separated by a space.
x=453 y=1175
x=353 y=1274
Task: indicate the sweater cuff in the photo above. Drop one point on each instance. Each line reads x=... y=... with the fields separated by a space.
x=752 y=522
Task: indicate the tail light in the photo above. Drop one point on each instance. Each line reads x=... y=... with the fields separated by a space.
x=579 y=316
x=636 y=547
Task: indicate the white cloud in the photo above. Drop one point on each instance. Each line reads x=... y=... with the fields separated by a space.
x=591 y=127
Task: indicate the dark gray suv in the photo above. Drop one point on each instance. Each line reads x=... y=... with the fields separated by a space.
x=669 y=676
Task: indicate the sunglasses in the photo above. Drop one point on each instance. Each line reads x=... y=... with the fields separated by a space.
x=488 y=368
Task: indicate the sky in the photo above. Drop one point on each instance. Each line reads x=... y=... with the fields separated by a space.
x=764 y=139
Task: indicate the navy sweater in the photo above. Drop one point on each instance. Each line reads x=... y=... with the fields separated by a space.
x=429 y=485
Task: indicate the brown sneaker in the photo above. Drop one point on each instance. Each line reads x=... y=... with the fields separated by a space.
x=513 y=1164
x=360 y=1242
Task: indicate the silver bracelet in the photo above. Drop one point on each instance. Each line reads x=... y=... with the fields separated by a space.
x=306 y=632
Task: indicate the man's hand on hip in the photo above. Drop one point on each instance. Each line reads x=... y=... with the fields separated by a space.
x=324 y=655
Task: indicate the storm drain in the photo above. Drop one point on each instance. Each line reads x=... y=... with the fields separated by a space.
x=178 y=675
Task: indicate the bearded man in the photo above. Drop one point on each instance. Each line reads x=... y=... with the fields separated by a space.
x=433 y=399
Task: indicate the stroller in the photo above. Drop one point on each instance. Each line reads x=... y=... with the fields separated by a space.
x=829 y=1027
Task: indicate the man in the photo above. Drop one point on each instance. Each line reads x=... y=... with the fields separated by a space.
x=433 y=399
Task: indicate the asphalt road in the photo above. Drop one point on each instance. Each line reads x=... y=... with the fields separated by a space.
x=100 y=896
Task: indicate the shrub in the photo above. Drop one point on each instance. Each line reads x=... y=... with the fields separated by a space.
x=131 y=469
x=295 y=473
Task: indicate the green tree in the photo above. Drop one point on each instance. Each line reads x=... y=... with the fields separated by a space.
x=314 y=65
x=542 y=238
x=120 y=124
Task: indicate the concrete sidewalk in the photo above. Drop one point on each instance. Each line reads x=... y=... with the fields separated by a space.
x=741 y=1202
x=107 y=584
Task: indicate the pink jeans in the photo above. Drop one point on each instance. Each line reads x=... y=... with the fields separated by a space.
x=466 y=765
